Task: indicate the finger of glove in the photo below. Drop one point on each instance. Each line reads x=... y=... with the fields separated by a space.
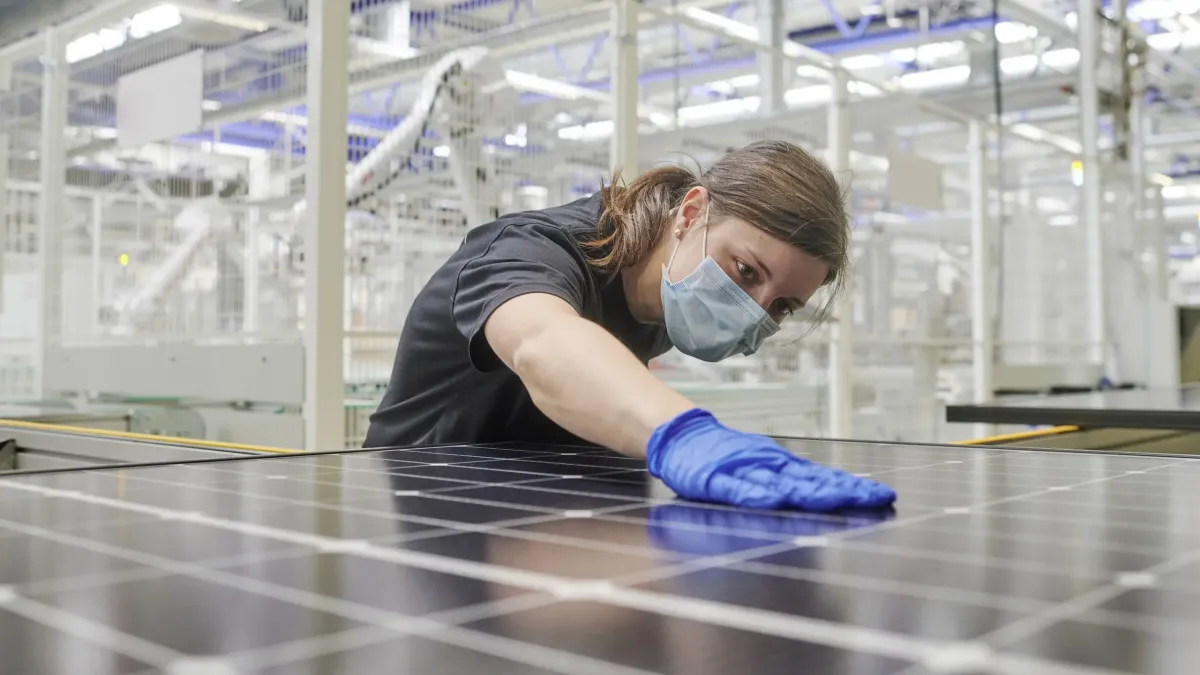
x=816 y=497
x=739 y=492
x=859 y=492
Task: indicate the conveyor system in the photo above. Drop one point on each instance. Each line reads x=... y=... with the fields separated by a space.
x=1154 y=421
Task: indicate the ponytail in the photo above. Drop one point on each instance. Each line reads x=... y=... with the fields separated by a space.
x=634 y=216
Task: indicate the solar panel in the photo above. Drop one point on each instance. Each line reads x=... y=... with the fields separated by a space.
x=530 y=559
x=1177 y=408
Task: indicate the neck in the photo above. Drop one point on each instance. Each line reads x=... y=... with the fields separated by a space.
x=642 y=284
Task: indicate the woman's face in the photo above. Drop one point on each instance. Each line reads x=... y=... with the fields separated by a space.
x=780 y=277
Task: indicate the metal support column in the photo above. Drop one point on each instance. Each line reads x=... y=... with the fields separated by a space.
x=325 y=225
x=6 y=103
x=97 y=284
x=841 y=350
x=771 y=81
x=623 y=153
x=250 y=292
x=52 y=158
x=983 y=275
x=1093 y=190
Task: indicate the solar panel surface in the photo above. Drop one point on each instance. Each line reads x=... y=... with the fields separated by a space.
x=569 y=560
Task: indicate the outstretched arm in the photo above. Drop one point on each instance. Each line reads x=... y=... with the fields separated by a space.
x=579 y=375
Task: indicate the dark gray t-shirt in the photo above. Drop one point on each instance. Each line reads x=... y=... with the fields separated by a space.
x=447 y=386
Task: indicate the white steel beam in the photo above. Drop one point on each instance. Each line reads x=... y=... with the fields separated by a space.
x=52 y=156
x=983 y=276
x=841 y=348
x=1092 y=191
x=623 y=151
x=5 y=87
x=324 y=225
x=771 y=80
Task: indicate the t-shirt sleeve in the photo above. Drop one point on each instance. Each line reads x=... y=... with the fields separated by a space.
x=522 y=258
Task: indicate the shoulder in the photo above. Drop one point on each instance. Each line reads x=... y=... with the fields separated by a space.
x=553 y=235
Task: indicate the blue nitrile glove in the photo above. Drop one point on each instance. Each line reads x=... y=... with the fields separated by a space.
x=701 y=459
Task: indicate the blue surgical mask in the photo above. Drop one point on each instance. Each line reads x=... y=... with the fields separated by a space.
x=708 y=315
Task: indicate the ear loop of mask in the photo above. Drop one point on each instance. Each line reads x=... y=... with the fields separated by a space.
x=703 y=245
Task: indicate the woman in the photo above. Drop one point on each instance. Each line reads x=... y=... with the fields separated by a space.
x=540 y=326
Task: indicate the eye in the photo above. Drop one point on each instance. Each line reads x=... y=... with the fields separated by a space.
x=783 y=309
x=748 y=273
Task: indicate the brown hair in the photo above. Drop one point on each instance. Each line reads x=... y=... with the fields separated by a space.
x=774 y=185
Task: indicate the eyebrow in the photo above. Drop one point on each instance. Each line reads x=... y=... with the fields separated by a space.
x=796 y=301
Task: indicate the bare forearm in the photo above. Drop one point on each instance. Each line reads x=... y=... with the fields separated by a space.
x=587 y=382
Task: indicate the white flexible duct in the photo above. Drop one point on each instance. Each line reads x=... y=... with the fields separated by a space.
x=454 y=99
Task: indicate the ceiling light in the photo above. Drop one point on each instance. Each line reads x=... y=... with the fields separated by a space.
x=592 y=131
x=862 y=62
x=722 y=23
x=1061 y=58
x=1157 y=10
x=934 y=79
x=224 y=18
x=548 y=87
x=1009 y=32
x=154 y=20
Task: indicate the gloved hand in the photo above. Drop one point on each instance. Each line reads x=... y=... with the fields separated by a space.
x=701 y=459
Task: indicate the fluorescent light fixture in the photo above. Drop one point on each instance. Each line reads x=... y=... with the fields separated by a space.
x=812 y=72
x=210 y=106
x=1052 y=205
x=723 y=23
x=154 y=20
x=592 y=131
x=863 y=89
x=1180 y=212
x=936 y=79
x=805 y=97
x=705 y=112
x=741 y=81
x=930 y=52
x=1176 y=192
x=1009 y=32
x=533 y=191
x=384 y=49
x=1024 y=64
x=84 y=47
x=1161 y=179
x=1061 y=58
x=233 y=150
x=224 y=18
x=1063 y=220
x=547 y=87
x=441 y=151
x=111 y=38
x=1157 y=10
x=862 y=62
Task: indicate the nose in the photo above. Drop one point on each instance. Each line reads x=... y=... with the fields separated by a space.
x=764 y=297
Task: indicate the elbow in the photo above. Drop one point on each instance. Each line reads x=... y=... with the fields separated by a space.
x=533 y=361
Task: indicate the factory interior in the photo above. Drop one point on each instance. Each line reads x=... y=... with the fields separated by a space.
x=216 y=215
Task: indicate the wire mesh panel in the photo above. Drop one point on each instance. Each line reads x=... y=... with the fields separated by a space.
x=176 y=248
x=20 y=202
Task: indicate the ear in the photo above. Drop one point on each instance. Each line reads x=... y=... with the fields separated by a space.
x=691 y=211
